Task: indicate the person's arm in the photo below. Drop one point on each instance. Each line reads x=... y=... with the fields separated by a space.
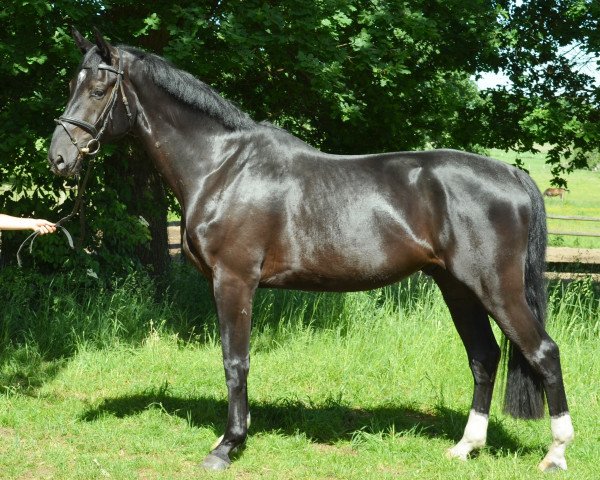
x=8 y=222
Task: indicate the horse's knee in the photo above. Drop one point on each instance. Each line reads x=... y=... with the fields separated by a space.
x=545 y=361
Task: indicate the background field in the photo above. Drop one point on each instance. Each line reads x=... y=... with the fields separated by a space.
x=101 y=381
x=583 y=199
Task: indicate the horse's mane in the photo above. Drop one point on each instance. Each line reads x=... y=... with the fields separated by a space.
x=189 y=90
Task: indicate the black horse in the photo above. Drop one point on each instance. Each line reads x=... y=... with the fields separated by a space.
x=263 y=209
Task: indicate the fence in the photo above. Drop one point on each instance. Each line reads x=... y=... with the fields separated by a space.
x=577 y=262
x=579 y=219
x=587 y=260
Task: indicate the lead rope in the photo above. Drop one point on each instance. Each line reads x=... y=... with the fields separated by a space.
x=91 y=149
x=78 y=201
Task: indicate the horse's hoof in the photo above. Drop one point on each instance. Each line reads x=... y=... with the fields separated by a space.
x=549 y=465
x=215 y=464
x=456 y=452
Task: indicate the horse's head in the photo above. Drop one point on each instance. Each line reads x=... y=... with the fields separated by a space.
x=98 y=108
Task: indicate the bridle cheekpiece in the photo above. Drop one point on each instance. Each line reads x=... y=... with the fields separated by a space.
x=93 y=145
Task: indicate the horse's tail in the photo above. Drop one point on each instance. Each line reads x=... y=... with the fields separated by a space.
x=524 y=394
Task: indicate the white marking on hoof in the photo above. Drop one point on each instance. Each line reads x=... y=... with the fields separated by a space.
x=217 y=442
x=562 y=434
x=548 y=465
x=473 y=438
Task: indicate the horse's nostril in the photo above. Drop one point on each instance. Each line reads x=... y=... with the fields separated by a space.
x=59 y=160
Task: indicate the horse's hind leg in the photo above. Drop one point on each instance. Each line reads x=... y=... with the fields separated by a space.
x=533 y=364
x=471 y=321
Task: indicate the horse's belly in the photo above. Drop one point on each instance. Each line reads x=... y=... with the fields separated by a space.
x=349 y=269
x=320 y=283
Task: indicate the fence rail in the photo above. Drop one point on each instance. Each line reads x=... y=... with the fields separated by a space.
x=575 y=218
x=583 y=219
x=554 y=255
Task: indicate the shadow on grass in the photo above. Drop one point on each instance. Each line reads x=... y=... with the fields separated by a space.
x=325 y=423
x=24 y=371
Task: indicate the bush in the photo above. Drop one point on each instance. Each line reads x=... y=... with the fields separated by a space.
x=593 y=160
x=61 y=313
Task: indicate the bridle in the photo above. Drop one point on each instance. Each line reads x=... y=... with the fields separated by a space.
x=93 y=145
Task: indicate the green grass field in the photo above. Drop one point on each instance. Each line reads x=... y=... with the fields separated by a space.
x=583 y=199
x=104 y=382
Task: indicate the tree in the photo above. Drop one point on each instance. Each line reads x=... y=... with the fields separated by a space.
x=348 y=76
x=38 y=58
x=547 y=50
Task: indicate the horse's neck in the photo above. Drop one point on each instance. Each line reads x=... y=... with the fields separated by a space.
x=181 y=142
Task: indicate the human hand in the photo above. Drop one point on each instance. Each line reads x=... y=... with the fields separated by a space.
x=43 y=226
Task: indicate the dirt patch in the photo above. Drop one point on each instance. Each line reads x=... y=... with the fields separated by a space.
x=6 y=432
x=40 y=471
x=326 y=448
x=573 y=255
x=174 y=235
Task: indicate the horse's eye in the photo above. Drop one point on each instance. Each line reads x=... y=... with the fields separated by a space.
x=98 y=93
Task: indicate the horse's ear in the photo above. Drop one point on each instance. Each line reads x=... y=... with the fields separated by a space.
x=82 y=43
x=103 y=46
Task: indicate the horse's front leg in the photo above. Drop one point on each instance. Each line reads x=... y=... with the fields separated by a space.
x=233 y=298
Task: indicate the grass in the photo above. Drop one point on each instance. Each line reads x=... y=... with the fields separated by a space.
x=362 y=385
x=583 y=199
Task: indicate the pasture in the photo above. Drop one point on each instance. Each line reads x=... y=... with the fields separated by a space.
x=583 y=199
x=101 y=381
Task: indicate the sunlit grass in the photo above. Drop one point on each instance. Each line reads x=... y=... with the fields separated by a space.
x=362 y=385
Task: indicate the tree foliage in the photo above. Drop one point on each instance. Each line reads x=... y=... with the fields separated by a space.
x=349 y=76
x=550 y=50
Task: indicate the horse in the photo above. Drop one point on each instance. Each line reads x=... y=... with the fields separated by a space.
x=261 y=208
x=555 y=192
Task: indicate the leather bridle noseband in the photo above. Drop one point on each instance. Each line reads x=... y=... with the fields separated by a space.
x=93 y=145
x=91 y=149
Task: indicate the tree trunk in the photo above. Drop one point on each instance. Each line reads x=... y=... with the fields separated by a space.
x=132 y=173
